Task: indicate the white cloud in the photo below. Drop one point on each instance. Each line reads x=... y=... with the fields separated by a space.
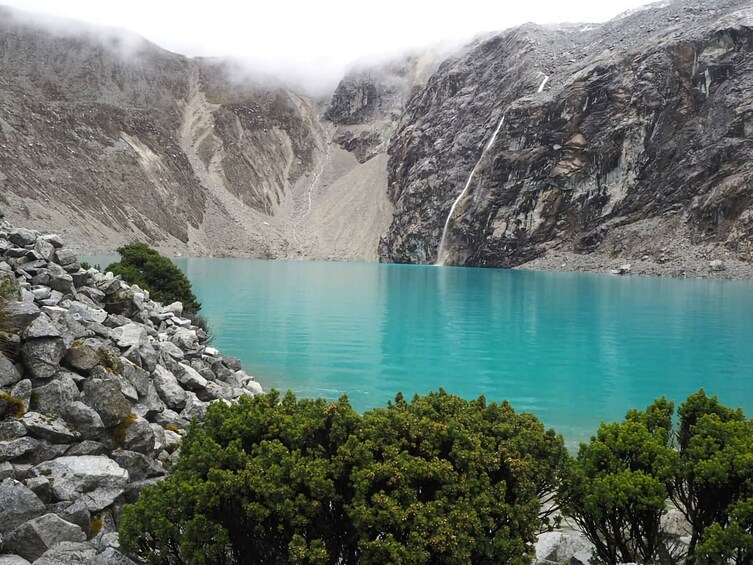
x=314 y=39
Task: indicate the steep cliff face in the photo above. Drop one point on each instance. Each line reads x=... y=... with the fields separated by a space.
x=137 y=142
x=640 y=136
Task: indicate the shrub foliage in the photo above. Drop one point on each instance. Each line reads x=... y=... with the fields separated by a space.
x=143 y=266
x=269 y=480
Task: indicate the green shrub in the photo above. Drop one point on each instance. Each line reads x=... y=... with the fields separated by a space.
x=437 y=479
x=619 y=485
x=716 y=448
x=143 y=266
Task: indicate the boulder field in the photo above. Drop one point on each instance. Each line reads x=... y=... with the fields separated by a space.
x=97 y=389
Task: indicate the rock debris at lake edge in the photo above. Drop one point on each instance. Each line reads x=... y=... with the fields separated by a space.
x=109 y=381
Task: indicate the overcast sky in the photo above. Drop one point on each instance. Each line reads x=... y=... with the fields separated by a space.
x=317 y=38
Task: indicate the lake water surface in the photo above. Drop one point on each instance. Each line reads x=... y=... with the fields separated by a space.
x=574 y=349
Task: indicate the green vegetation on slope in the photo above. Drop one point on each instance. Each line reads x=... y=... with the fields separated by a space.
x=143 y=266
x=438 y=479
x=443 y=480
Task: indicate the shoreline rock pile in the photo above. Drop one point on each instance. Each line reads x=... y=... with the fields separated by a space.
x=96 y=393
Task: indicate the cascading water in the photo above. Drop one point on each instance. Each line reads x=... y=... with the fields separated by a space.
x=543 y=84
x=441 y=254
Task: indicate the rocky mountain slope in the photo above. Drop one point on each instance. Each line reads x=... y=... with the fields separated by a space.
x=95 y=396
x=107 y=138
x=637 y=146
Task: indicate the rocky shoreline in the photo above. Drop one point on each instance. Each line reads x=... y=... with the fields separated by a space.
x=95 y=396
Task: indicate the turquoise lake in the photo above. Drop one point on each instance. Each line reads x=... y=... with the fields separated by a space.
x=574 y=349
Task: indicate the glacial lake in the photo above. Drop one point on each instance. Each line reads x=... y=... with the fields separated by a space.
x=574 y=349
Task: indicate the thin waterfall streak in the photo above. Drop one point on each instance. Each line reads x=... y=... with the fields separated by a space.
x=440 y=252
x=543 y=84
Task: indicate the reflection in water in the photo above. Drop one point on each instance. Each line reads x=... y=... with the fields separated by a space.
x=574 y=349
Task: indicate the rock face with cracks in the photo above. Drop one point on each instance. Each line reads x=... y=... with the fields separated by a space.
x=628 y=139
x=99 y=392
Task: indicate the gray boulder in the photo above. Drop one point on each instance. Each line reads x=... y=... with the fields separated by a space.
x=139 y=437
x=168 y=388
x=190 y=378
x=65 y=257
x=68 y=553
x=45 y=249
x=185 y=339
x=36 y=536
x=13 y=560
x=42 y=356
x=94 y=479
x=138 y=465
x=23 y=313
x=17 y=505
x=15 y=448
x=10 y=374
x=54 y=396
x=106 y=398
x=41 y=327
x=86 y=447
x=22 y=391
x=82 y=357
x=84 y=419
x=11 y=429
x=49 y=427
x=130 y=335
x=22 y=236
x=137 y=376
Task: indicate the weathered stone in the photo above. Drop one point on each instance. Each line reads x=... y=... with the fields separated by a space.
x=41 y=327
x=11 y=429
x=214 y=391
x=185 y=339
x=53 y=397
x=17 y=505
x=82 y=357
x=94 y=294
x=195 y=408
x=10 y=374
x=130 y=335
x=85 y=313
x=94 y=479
x=63 y=283
x=32 y=539
x=149 y=356
x=52 y=238
x=6 y=470
x=41 y=487
x=106 y=398
x=138 y=377
x=13 y=560
x=52 y=428
x=111 y=556
x=23 y=313
x=13 y=449
x=69 y=553
x=169 y=389
x=190 y=378
x=65 y=257
x=22 y=236
x=42 y=357
x=176 y=308
x=22 y=391
x=139 y=437
x=41 y=293
x=45 y=249
x=172 y=350
x=86 y=447
x=231 y=363
x=151 y=405
x=75 y=513
x=138 y=465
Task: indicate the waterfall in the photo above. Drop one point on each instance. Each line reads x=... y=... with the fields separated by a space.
x=543 y=84
x=441 y=253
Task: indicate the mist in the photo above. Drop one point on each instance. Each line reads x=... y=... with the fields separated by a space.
x=311 y=44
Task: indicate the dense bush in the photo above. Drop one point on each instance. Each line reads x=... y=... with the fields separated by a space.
x=438 y=479
x=623 y=479
x=143 y=266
